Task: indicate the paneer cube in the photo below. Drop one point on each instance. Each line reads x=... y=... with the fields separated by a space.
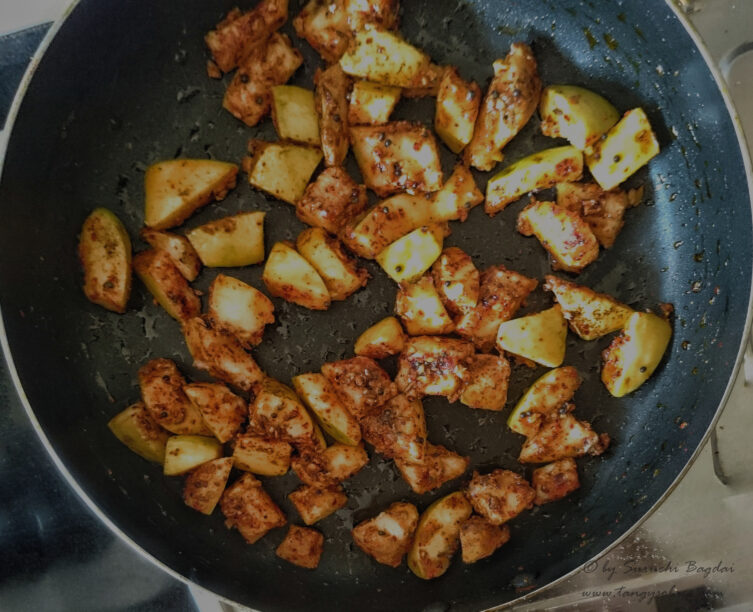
x=360 y=383
x=457 y=197
x=315 y=504
x=561 y=436
x=205 y=485
x=479 y=538
x=555 y=481
x=332 y=86
x=438 y=466
x=302 y=547
x=324 y=25
x=387 y=537
x=398 y=429
x=433 y=365
x=277 y=413
x=488 y=376
x=331 y=200
x=458 y=103
x=421 y=310
x=456 y=280
x=500 y=495
x=261 y=456
x=319 y=396
x=248 y=508
x=223 y=412
x=287 y=274
x=241 y=309
x=329 y=467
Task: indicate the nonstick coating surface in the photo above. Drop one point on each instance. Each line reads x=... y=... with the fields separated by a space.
x=123 y=85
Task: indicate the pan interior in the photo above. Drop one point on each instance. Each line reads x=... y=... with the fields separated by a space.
x=124 y=85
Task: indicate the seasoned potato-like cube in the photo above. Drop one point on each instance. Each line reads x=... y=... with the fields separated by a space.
x=419 y=307
x=277 y=413
x=426 y=82
x=438 y=536
x=302 y=547
x=331 y=200
x=330 y=467
x=633 y=356
x=332 y=87
x=185 y=452
x=261 y=456
x=371 y=103
x=324 y=25
x=380 y=12
x=500 y=495
x=563 y=233
x=433 y=365
x=386 y=222
x=604 y=211
x=397 y=156
x=555 y=481
x=138 y=430
x=162 y=391
x=439 y=466
x=221 y=354
x=381 y=340
x=340 y=273
x=457 y=108
x=288 y=275
x=560 y=436
x=239 y=308
x=456 y=198
x=168 y=286
x=315 y=504
x=488 y=376
x=319 y=396
x=501 y=293
x=180 y=250
x=250 y=509
x=575 y=113
x=294 y=114
x=591 y=315
x=381 y=56
x=105 y=253
x=360 y=383
x=628 y=146
x=539 y=337
x=398 y=429
x=548 y=393
x=233 y=241
x=456 y=280
x=538 y=171
x=174 y=189
x=249 y=95
x=205 y=484
x=222 y=411
x=508 y=105
x=387 y=536
x=281 y=169
x=238 y=33
x=479 y=538
x=406 y=259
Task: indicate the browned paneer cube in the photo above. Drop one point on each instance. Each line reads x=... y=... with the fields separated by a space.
x=501 y=293
x=249 y=95
x=555 y=481
x=329 y=467
x=387 y=536
x=302 y=547
x=479 y=538
x=205 y=484
x=278 y=413
x=561 y=435
x=562 y=232
x=438 y=467
x=397 y=156
x=604 y=211
x=240 y=309
x=332 y=200
x=162 y=391
x=420 y=308
x=324 y=25
x=500 y=495
x=331 y=96
x=457 y=280
x=426 y=82
x=221 y=354
x=169 y=287
x=314 y=504
x=360 y=383
x=223 y=411
x=238 y=33
x=458 y=103
x=397 y=429
x=248 y=508
x=509 y=103
x=378 y=12
x=261 y=456
x=488 y=376
x=434 y=365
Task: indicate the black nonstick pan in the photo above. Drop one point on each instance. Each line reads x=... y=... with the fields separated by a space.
x=123 y=84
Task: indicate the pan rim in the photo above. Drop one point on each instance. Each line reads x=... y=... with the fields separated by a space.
x=100 y=514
